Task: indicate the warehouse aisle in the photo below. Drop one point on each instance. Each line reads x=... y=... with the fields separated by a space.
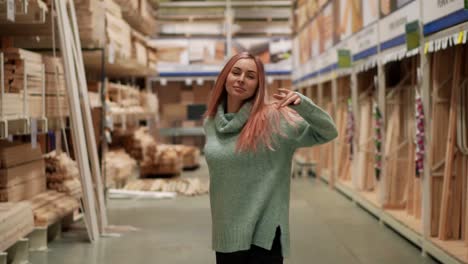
x=326 y=228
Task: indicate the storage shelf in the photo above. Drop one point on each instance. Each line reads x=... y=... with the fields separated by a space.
x=445 y=251
x=120 y=68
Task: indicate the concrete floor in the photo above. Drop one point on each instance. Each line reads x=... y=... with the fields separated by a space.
x=326 y=228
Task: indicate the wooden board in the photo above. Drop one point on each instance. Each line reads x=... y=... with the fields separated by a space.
x=23 y=191
x=14 y=154
x=16 y=221
x=22 y=173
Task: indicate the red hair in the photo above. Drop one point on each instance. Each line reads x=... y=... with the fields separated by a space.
x=264 y=119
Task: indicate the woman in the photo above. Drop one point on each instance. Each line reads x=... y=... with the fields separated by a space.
x=249 y=147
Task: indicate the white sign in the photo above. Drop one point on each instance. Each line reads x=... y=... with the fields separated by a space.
x=434 y=10
x=329 y=58
x=11 y=10
x=365 y=39
x=370 y=11
x=394 y=25
x=33 y=133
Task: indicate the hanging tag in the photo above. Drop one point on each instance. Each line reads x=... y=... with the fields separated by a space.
x=10 y=138
x=11 y=10
x=464 y=37
x=108 y=136
x=33 y=133
x=460 y=37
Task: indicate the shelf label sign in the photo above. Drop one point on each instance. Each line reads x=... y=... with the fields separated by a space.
x=434 y=10
x=11 y=10
x=412 y=35
x=344 y=58
x=393 y=25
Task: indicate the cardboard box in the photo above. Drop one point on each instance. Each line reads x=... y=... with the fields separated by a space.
x=174 y=112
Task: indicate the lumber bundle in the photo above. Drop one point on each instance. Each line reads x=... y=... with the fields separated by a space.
x=124 y=99
x=120 y=167
x=140 y=145
x=16 y=221
x=448 y=162
x=119 y=36
x=91 y=22
x=51 y=206
x=22 y=172
x=62 y=174
x=55 y=106
x=166 y=161
x=397 y=146
x=190 y=156
x=139 y=14
x=184 y=186
x=20 y=63
x=149 y=102
x=139 y=51
x=364 y=170
x=152 y=56
x=328 y=148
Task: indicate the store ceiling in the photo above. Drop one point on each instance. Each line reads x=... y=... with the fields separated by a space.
x=208 y=18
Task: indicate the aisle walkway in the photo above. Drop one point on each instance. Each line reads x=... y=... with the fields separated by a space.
x=326 y=228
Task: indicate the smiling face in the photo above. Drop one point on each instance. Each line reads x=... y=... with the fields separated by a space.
x=242 y=80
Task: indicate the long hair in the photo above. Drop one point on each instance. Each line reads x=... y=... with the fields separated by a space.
x=264 y=119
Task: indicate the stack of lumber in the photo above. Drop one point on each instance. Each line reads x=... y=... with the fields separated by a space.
x=364 y=166
x=91 y=22
x=22 y=172
x=139 y=51
x=190 y=156
x=62 y=174
x=51 y=206
x=166 y=161
x=140 y=145
x=120 y=167
x=16 y=222
x=448 y=164
x=149 y=102
x=183 y=186
x=124 y=99
x=399 y=168
x=139 y=14
x=19 y=62
x=152 y=56
x=118 y=32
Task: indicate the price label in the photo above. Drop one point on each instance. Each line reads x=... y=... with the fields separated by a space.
x=412 y=35
x=344 y=58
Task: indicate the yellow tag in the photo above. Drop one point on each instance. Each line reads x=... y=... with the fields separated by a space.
x=460 y=37
x=333 y=75
x=426 y=48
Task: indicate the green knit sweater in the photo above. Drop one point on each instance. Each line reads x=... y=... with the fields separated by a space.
x=250 y=192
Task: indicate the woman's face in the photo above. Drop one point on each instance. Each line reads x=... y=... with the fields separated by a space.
x=242 y=80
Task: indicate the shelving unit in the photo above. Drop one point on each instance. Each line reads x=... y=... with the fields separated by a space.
x=410 y=190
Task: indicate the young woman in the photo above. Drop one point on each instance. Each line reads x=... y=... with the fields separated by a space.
x=249 y=147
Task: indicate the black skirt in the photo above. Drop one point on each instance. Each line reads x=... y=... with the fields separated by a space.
x=254 y=255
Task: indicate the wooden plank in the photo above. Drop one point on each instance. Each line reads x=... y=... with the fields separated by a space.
x=68 y=42
x=22 y=173
x=23 y=191
x=89 y=132
x=14 y=154
x=450 y=147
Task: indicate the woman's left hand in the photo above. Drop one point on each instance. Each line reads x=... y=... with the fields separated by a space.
x=286 y=97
